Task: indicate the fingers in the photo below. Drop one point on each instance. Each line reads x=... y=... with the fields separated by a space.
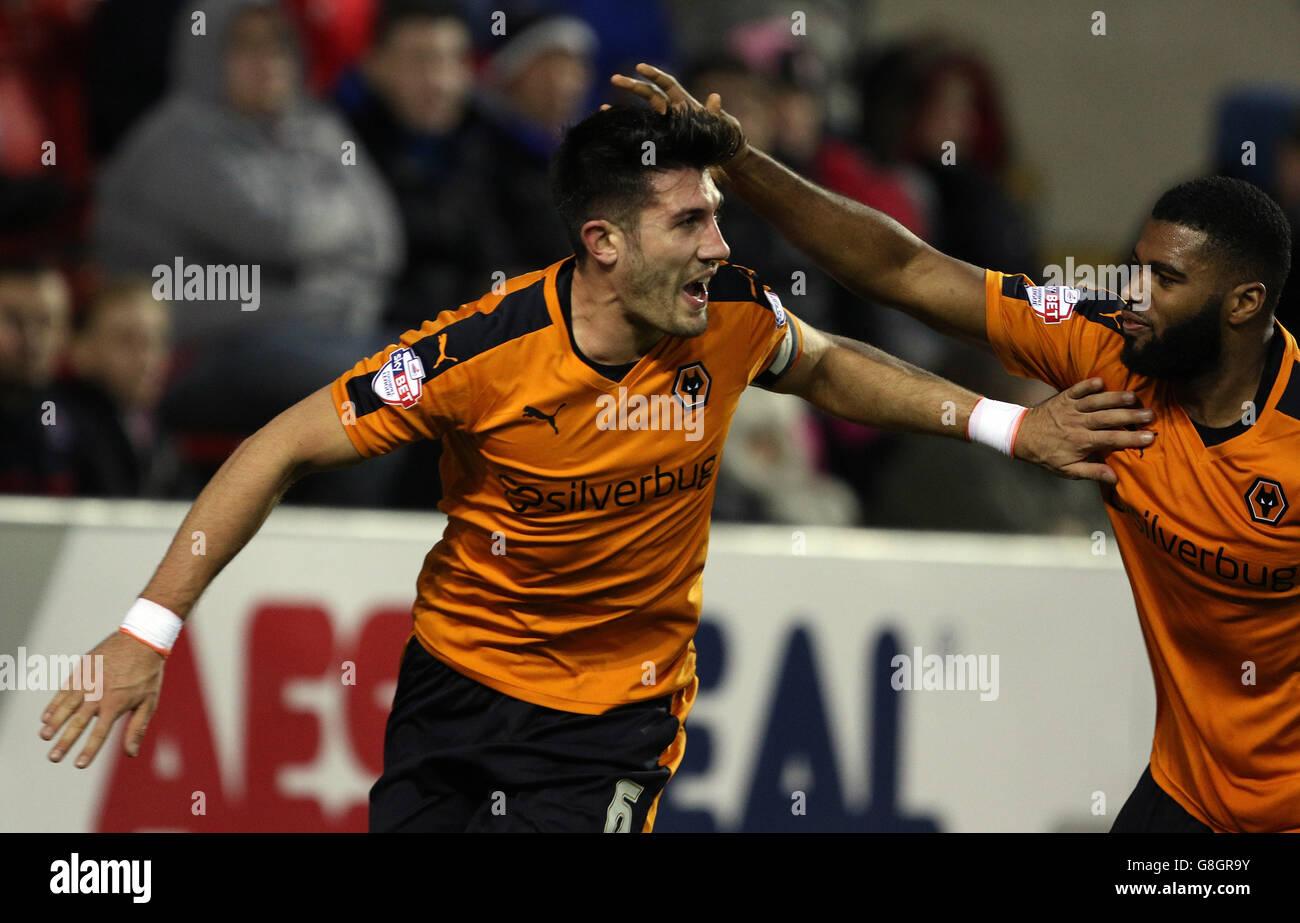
x=1106 y=401
x=104 y=719
x=666 y=82
x=1117 y=419
x=1091 y=471
x=63 y=704
x=76 y=724
x=662 y=90
x=639 y=87
x=103 y=724
x=651 y=94
x=1085 y=387
x=646 y=91
x=137 y=725
x=1112 y=440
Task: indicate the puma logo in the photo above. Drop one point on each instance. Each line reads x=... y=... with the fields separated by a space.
x=533 y=412
x=442 y=351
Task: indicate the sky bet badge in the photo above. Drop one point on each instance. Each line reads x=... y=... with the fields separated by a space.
x=777 y=309
x=1052 y=303
x=399 y=382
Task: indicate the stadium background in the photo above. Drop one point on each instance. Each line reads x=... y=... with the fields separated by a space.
x=813 y=584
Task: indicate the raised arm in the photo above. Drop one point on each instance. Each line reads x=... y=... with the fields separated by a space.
x=1066 y=434
x=869 y=253
x=307 y=437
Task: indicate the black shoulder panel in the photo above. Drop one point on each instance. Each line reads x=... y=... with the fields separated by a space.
x=520 y=313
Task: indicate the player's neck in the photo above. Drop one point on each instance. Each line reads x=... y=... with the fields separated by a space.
x=602 y=327
x=1220 y=397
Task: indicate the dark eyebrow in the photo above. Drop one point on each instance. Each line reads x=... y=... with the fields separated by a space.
x=1163 y=268
x=689 y=212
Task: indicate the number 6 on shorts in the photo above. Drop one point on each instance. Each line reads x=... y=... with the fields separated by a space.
x=618 y=818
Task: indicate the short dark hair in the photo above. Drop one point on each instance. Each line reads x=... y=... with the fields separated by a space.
x=1246 y=231
x=599 y=169
x=392 y=13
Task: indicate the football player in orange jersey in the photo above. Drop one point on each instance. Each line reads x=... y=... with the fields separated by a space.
x=1204 y=518
x=583 y=408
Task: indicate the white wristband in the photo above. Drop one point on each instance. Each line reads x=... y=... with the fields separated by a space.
x=155 y=625
x=995 y=424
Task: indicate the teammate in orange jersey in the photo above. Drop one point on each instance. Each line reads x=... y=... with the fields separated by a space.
x=583 y=409
x=1205 y=518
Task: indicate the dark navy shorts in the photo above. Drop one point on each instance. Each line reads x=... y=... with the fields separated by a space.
x=462 y=757
x=1150 y=810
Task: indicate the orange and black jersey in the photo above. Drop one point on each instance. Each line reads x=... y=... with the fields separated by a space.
x=1207 y=525
x=578 y=496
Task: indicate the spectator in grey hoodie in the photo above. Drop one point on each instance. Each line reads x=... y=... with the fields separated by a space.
x=237 y=167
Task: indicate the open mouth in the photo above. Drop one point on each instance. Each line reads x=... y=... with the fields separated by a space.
x=697 y=293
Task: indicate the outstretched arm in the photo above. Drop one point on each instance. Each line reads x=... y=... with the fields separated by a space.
x=1064 y=434
x=869 y=253
x=307 y=437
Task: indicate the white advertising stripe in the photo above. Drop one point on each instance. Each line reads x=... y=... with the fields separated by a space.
x=989 y=684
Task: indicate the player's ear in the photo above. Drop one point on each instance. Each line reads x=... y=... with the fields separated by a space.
x=603 y=241
x=1246 y=301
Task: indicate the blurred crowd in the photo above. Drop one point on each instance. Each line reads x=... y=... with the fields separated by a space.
x=379 y=162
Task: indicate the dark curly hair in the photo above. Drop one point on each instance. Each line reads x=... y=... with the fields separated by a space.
x=603 y=166
x=1247 y=233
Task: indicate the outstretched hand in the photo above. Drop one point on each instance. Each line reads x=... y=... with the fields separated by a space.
x=1067 y=433
x=131 y=680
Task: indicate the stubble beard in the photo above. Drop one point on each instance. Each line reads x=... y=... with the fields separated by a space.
x=656 y=298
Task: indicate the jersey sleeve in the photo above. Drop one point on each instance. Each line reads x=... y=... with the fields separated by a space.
x=764 y=340
x=411 y=390
x=773 y=336
x=1055 y=333
x=786 y=346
